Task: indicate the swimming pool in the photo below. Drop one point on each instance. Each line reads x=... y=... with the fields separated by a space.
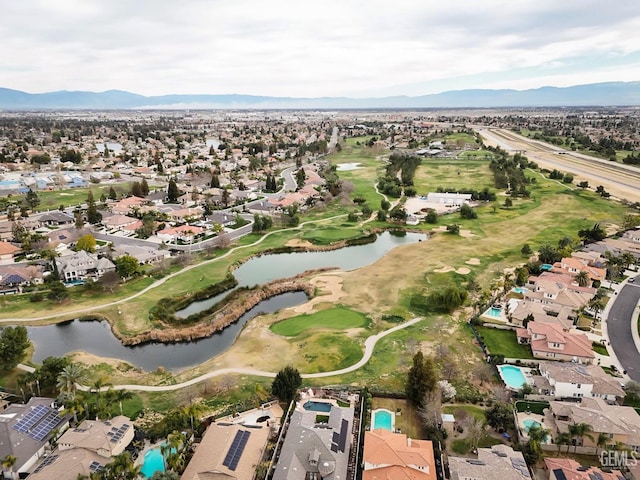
x=153 y=462
x=520 y=290
x=317 y=406
x=493 y=312
x=382 y=418
x=529 y=422
x=513 y=377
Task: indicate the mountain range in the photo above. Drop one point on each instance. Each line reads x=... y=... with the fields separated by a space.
x=595 y=94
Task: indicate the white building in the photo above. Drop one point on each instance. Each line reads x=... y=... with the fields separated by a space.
x=449 y=199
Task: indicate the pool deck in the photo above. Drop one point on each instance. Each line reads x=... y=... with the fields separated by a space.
x=393 y=418
x=526 y=371
x=522 y=416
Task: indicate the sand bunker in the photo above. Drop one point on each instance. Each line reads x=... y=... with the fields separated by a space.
x=445 y=269
x=463 y=271
x=462 y=233
x=473 y=261
x=330 y=287
x=296 y=242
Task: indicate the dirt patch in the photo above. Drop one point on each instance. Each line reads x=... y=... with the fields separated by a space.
x=296 y=242
x=330 y=290
x=473 y=261
x=462 y=233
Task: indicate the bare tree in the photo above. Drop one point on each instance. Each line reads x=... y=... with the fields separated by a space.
x=501 y=394
x=431 y=413
x=224 y=240
x=475 y=432
x=483 y=372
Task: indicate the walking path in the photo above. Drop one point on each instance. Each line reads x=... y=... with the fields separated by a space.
x=369 y=346
x=157 y=283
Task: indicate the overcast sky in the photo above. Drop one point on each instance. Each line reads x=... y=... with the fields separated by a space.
x=304 y=49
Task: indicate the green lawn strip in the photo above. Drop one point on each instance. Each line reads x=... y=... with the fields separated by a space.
x=52 y=199
x=472 y=411
x=462 y=446
x=504 y=342
x=335 y=318
x=600 y=349
x=531 y=406
x=408 y=421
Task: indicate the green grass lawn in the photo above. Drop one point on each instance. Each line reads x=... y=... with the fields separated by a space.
x=530 y=406
x=51 y=200
x=504 y=342
x=599 y=348
x=335 y=318
x=472 y=410
x=462 y=445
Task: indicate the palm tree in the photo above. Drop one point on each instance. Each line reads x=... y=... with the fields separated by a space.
x=176 y=442
x=537 y=435
x=582 y=279
x=193 y=411
x=119 y=396
x=97 y=388
x=601 y=442
x=583 y=430
x=122 y=468
x=573 y=433
x=8 y=462
x=75 y=405
x=563 y=438
x=69 y=378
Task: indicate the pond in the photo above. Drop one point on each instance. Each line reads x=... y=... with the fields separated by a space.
x=96 y=337
x=267 y=268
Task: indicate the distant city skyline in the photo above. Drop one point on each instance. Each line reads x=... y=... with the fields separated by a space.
x=347 y=48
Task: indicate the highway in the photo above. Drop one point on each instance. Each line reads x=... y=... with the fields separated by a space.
x=622 y=181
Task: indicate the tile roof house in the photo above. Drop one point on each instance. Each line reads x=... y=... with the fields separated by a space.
x=144 y=255
x=573 y=266
x=14 y=277
x=394 y=455
x=568 y=379
x=7 y=252
x=569 y=469
x=82 y=265
x=214 y=455
x=619 y=423
x=25 y=430
x=184 y=233
x=498 y=462
x=555 y=289
x=314 y=449
x=551 y=341
x=558 y=314
x=118 y=222
x=55 y=219
x=126 y=205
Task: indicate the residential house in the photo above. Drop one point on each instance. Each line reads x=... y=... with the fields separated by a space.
x=127 y=205
x=569 y=469
x=573 y=266
x=498 y=462
x=557 y=290
x=65 y=237
x=118 y=222
x=551 y=341
x=7 y=252
x=619 y=423
x=222 y=218
x=394 y=455
x=55 y=219
x=183 y=233
x=25 y=431
x=314 y=447
x=13 y=278
x=571 y=380
x=82 y=265
x=144 y=255
x=543 y=313
x=183 y=214
x=218 y=455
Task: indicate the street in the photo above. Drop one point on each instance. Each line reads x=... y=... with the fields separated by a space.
x=619 y=324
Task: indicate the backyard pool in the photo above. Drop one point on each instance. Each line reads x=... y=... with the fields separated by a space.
x=522 y=290
x=317 y=406
x=382 y=418
x=153 y=462
x=529 y=422
x=493 y=312
x=513 y=377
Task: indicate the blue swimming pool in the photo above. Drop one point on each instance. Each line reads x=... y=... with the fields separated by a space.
x=529 y=422
x=317 y=406
x=153 y=462
x=520 y=290
x=493 y=312
x=382 y=418
x=513 y=377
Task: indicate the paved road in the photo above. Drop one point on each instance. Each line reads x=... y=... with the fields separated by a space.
x=369 y=346
x=619 y=324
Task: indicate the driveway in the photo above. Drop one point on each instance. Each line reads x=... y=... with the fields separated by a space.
x=619 y=323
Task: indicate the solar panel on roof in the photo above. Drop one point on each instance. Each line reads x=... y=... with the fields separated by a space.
x=47 y=461
x=559 y=474
x=236 y=449
x=31 y=418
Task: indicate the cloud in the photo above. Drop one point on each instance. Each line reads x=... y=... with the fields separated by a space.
x=330 y=48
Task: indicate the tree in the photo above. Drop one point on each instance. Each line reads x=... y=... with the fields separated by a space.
x=582 y=430
x=13 y=343
x=500 y=416
x=563 y=438
x=112 y=193
x=432 y=216
x=215 y=181
x=166 y=475
x=32 y=199
x=475 y=432
x=127 y=266
x=87 y=243
x=483 y=372
x=70 y=376
x=136 y=189
x=421 y=379
x=526 y=250
x=582 y=278
x=467 y=212
x=193 y=411
x=144 y=187
x=172 y=191
x=109 y=281
x=301 y=176
x=453 y=229
x=93 y=215
x=601 y=442
x=584 y=184
x=548 y=254
x=8 y=462
x=286 y=384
